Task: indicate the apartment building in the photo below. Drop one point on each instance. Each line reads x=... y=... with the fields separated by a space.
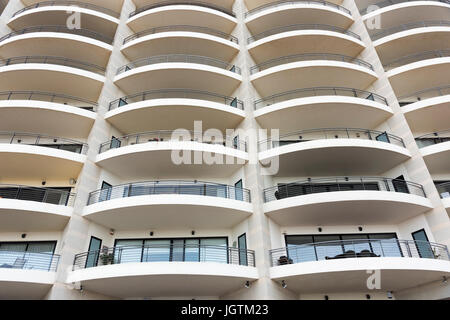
x=224 y=149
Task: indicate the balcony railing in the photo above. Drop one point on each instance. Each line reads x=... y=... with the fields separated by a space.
x=294 y=2
x=176 y=94
x=49 y=97
x=363 y=248
x=387 y=3
x=195 y=188
x=317 y=92
x=44 y=195
x=60 y=29
x=185 y=28
x=172 y=136
x=336 y=184
x=308 y=57
x=416 y=57
x=183 y=2
x=444 y=189
x=329 y=133
x=29 y=260
x=433 y=138
x=408 y=26
x=43 y=141
x=424 y=94
x=181 y=58
x=69 y=3
x=296 y=27
x=164 y=253
x=53 y=60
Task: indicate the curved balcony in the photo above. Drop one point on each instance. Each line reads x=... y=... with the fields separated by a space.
x=298 y=38
x=174 y=154
x=427 y=110
x=169 y=204
x=357 y=200
x=398 y=4
x=164 y=270
x=435 y=149
x=66 y=76
x=444 y=192
x=26 y=275
x=286 y=12
x=341 y=266
x=174 y=108
x=326 y=151
x=30 y=156
x=177 y=71
x=24 y=208
x=321 y=107
x=53 y=40
x=100 y=19
x=53 y=113
x=181 y=39
x=216 y=15
x=311 y=70
x=113 y=5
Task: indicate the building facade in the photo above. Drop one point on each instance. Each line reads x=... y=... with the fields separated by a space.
x=224 y=149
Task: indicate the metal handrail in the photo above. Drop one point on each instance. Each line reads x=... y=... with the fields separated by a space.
x=358 y=248
x=408 y=26
x=295 y=27
x=387 y=3
x=318 y=91
x=190 y=28
x=164 y=253
x=416 y=57
x=69 y=3
x=341 y=184
x=44 y=195
x=329 y=133
x=181 y=2
x=307 y=57
x=186 y=58
x=433 y=138
x=443 y=189
x=176 y=93
x=293 y=2
x=62 y=29
x=173 y=136
x=49 y=97
x=53 y=60
x=179 y=187
x=424 y=94
x=40 y=140
x=29 y=260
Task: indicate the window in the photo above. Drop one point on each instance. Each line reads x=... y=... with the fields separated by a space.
x=94 y=252
x=400 y=184
x=105 y=193
x=242 y=246
x=27 y=255
x=238 y=192
x=422 y=244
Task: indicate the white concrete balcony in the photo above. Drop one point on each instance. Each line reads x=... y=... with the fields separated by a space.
x=288 y=12
x=26 y=275
x=169 y=204
x=53 y=40
x=427 y=110
x=174 y=154
x=417 y=71
x=444 y=191
x=52 y=113
x=114 y=5
x=321 y=107
x=345 y=201
x=326 y=151
x=96 y=18
x=210 y=14
x=164 y=271
x=29 y=156
x=177 y=71
x=24 y=208
x=341 y=266
x=181 y=39
x=303 y=38
x=62 y=75
x=311 y=70
x=173 y=109
x=435 y=149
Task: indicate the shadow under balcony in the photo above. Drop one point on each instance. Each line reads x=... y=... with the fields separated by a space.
x=435 y=149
